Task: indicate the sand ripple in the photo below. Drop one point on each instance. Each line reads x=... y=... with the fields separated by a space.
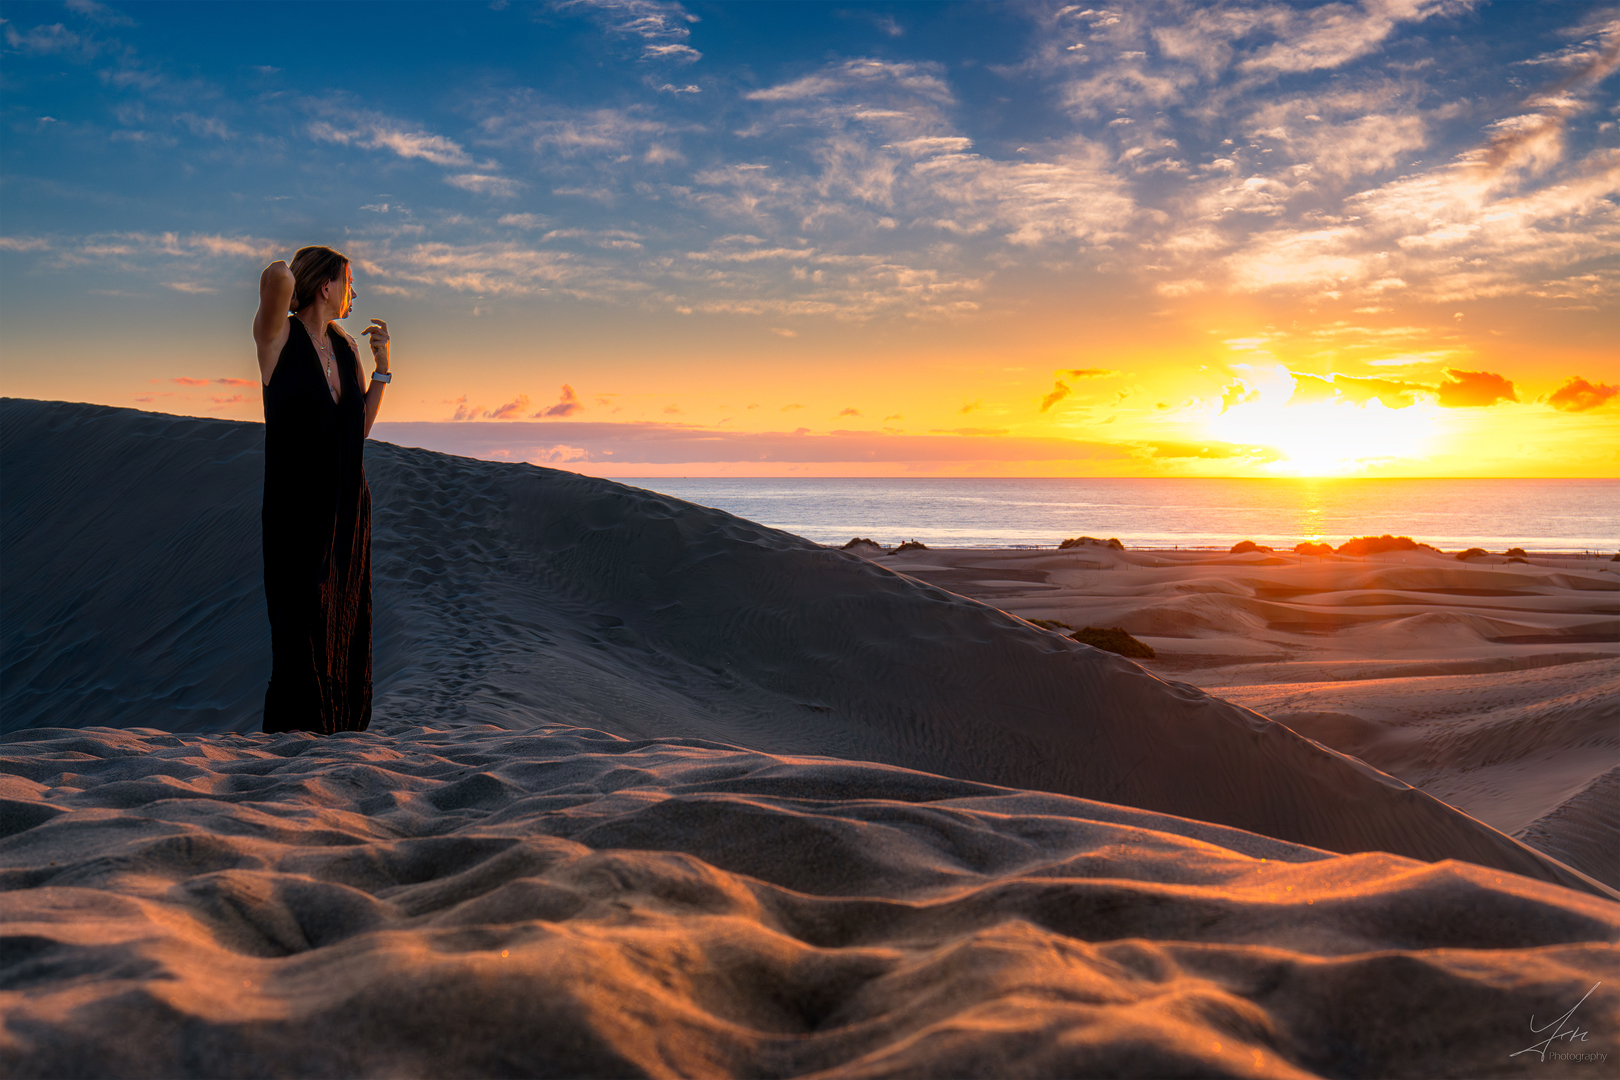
x=471 y=901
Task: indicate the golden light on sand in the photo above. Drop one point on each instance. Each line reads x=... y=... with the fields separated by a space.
x=1329 y=438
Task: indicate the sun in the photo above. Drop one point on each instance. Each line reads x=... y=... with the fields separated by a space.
x=1329 y=437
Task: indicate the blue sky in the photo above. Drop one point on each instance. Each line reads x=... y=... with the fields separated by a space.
x=893 y=221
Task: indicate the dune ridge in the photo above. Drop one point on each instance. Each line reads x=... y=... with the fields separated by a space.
x=473 y=901
x=516 y=595
x=652 y=790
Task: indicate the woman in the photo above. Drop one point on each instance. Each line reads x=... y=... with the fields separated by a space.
x=317 y=508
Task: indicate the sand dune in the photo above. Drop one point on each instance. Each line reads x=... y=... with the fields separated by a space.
x=1491 y=685
x=471 y=901
x=655 y=790
x=515 y=595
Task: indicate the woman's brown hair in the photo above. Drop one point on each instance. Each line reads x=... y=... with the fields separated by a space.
x=311 y=268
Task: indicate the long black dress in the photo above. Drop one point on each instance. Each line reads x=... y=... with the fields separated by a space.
x=317 y=542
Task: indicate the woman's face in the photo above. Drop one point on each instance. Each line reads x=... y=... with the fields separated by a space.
x=346 y=304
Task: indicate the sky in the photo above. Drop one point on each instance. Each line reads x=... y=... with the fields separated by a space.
x=639 y=238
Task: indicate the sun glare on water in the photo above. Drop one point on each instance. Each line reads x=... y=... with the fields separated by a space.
x=1329 y=438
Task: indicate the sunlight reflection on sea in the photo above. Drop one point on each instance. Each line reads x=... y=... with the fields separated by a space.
x=1538 y=515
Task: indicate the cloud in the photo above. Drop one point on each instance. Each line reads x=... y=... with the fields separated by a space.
x=850 y=411
x=683 y=53
x=1331 y=35
x=239 y=382
x=662 y=26
x=373 y=132
x=24 y=243
x=1238 y=393
x=1391 y=393
x=1578 y=395
x=1087 y=373
x=500 y=187
x=1474 y=389
x=1175 y=449
x=183 y=381
x=567 y=405
x=512 y=410
x=100 y=13
x=1059 y=392
x=55 y=38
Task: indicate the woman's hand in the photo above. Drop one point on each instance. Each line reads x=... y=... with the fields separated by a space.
x=378 y=333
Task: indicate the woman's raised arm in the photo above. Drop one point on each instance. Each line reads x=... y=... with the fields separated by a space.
x=270 y=323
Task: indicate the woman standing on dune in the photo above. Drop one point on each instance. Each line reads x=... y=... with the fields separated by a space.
x=317 y=507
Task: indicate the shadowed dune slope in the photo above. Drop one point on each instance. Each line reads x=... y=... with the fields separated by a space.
x=520 y=596
x=471 y=901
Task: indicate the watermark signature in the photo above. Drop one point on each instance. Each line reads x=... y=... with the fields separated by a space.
x=1563 y=1028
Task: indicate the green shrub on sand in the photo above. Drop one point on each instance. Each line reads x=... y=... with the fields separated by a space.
x=1307 y=548
x=1114 y=640
x=1375 y=545
x=1090 y=541
x=858 y=541
x=1052 y=624
x=1520 y=552
x=1243 y=547
x=1471 y=553
x=911 y=545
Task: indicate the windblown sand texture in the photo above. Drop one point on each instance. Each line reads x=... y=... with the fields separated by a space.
x=1493 y=686
x=654 y=790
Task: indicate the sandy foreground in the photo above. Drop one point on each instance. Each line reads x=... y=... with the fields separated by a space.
x=653 y=790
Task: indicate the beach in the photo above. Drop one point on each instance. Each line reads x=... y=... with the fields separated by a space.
x=655 y=790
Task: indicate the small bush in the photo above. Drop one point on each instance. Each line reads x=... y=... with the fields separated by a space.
x=1374 y=545
x=1520 y=552
x=1307 y=548
x=1090 y=541
x=1052 y=624
x=1243 y=547
x=911 y=545
x=1516 y=559
x=1615 y=557
x=858 y=541
x=1114 y=640
x=1471 y=553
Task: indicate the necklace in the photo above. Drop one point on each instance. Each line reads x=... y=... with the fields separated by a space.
x=323 y=354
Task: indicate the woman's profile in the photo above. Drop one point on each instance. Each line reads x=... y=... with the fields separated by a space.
x=318 y=410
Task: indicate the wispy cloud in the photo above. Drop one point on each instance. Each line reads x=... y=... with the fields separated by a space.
x=567 y=405
x=663 y=27
x=375 y=132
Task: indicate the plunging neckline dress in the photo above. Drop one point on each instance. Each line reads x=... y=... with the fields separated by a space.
x=316 y=526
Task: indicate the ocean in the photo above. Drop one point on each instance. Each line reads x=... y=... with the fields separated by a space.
x=1537 y=515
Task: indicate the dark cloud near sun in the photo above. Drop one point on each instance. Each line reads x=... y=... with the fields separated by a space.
x=1578 y=395
x=1059 y=392
x=1459 y=390
x=512 y=410
x=1474 y=389
x=567 y=405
